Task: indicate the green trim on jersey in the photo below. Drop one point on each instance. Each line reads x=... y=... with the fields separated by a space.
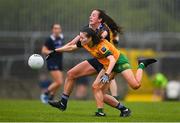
x=108 y=53
x=121 y=64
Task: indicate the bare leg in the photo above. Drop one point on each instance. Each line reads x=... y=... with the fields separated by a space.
x=113 y=88
x=133 y=80
x=97 y=90
x=81 y=69
x=108 y=99
x=139 y=74
x=58 y=80
x=81 y=91
x=100 y=89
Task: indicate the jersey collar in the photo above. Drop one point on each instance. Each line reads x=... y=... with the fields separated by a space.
x=54 y=38
x=99 y=27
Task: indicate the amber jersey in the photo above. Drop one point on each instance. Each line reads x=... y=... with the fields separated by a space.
x=101 y=50
x=93 y=61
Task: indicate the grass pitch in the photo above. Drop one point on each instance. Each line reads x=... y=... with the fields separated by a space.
x=83 y=111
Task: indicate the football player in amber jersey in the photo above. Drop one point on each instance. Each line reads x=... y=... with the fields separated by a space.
x=113 y=62
x=104 y=27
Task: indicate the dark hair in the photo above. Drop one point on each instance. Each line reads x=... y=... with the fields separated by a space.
x=109 y=21
x=52 y=26
x=91 y=33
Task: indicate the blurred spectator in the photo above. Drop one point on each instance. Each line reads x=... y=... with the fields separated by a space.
x=55 y=63
x=44 y=82
x=173 y=90
x=82 y=88
x=160 y=82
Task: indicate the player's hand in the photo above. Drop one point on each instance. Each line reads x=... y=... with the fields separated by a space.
x=104 y=78
x=51 y=54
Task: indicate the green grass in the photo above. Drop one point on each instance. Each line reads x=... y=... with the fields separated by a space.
x=30 y=110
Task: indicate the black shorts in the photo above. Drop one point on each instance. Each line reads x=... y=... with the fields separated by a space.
x=54 y=65
x=96 y=64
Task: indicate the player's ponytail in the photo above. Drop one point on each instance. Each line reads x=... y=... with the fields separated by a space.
x=110 y=22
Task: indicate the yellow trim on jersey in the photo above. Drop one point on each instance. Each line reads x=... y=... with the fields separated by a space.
x=110 y=34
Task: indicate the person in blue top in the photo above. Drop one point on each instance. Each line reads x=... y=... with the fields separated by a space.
x=55 y=63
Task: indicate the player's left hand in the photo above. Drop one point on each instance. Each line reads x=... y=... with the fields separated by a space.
x=104 y=78
x=51 y=54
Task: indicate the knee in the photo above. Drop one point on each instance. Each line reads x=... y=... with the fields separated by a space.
x=136 y=86
x=59 y=82
x=95 y=87
x=71 y=74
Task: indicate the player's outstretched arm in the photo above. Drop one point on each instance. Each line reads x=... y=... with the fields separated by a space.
x=67 y=48
x=71 y=46
x=74 y=40
x=45 y=50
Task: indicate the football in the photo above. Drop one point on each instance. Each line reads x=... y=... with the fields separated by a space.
x=35 y=61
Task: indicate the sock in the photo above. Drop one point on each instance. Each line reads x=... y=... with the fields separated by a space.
x=51 y=97
x=120 y=107
x=64 y=99
x=100 y=110
x=141 y=66
x=46 y=92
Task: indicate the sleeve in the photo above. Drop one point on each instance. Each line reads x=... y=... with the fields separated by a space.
x=48 y=44
x=104 y=50
x=79 y=44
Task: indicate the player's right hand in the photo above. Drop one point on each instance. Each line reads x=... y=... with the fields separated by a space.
x=104 y=78
x=51 y=54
